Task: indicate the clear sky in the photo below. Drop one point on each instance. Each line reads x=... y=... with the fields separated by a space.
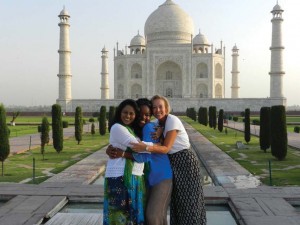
x=29 y=40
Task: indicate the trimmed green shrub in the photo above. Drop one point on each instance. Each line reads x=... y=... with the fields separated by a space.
x=44 y=134
x=91 y=120
x=220 y=120
x=93 y=129
x=247 y=134
x=265 y=128
x=235 y=118
x=297 y=129
x=57 y=128
x=279 y=132
x=78 y=124
x=4 y=137
x=65 y=124
x=102 y=120
x=111 y=114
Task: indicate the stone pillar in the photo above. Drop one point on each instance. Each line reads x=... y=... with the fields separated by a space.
x=235 y=73
x=276 y=73
x=104 y=74
x=64 y=75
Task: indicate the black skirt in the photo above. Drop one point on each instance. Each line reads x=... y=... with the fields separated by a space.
x=187 y=201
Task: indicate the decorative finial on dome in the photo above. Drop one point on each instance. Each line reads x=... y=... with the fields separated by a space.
x=138 y=32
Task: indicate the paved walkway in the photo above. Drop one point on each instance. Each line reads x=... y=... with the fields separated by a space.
x=293 y=138
x=21 y=144
x=250 y=202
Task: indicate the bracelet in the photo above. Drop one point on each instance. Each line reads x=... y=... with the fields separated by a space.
x=123 y=154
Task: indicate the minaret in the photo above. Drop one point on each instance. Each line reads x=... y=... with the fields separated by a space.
x=235 y=73
x=64 y=52
x=104 y=74
x=276 y=73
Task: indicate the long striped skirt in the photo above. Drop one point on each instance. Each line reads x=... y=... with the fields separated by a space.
x=123 y=206
x=187 y=201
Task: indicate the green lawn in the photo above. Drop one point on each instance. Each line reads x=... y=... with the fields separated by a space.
x=16 y=131
x=19 y=167
x=38 y=119
x=284 y=173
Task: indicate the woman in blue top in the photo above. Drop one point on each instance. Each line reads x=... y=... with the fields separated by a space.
x=160 y=173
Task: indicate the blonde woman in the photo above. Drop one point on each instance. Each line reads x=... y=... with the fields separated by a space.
x=187 y=201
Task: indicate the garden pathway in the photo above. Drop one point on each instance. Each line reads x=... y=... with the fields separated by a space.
x=293 y=138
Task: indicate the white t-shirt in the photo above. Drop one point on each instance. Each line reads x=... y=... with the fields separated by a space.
x=121 y=138
x=182 y=140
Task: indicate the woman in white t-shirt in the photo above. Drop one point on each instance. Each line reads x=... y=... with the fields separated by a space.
x=187 y=201
x=124 y=187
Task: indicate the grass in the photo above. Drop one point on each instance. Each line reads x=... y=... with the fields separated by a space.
x=19 y=167
x=38 y=119
x=284 y=173
x=16 y=131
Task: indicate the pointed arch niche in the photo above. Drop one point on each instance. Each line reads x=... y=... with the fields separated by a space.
x=202 y=91
x=120 y=73
x=202 y=70
x=218 y=71
x=218 y=91
x=136 y=71
x=136 y=91
x=169 y=80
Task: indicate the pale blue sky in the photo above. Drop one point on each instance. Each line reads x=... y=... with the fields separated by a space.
x=29 y=40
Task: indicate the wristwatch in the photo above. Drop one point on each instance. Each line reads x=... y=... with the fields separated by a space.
x=147 y=148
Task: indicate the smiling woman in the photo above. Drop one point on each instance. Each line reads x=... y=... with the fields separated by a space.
x=124 y=188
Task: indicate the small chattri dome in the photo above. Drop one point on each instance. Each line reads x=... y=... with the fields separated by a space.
x=277 y=8
x=138 y=40
x=64 y=12
x=104 y=49
x=235 y=48
x=200 y=39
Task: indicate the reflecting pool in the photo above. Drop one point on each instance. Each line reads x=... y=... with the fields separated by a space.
x=216 y=214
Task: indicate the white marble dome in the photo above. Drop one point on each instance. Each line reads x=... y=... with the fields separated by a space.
x=138 y=40
x=277 y=8
x=200 y=39
x=169 y=23
x=64 y=12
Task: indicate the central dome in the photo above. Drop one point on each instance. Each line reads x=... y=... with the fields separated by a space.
x=169 y=23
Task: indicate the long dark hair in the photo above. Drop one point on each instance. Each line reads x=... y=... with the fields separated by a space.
x=122 y=105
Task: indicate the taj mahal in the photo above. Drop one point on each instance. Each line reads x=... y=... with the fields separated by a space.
x=173 y=61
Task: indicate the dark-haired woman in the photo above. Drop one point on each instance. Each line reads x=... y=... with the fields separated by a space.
x=124 y=189
x=159 y=176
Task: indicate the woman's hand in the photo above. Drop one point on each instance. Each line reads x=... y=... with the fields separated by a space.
x=138 y=147
x=158 y=132
x=113 y=152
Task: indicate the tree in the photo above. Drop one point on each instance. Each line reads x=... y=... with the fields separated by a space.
x=210 y=116
x=78 y=124
x=93 y=129
x=205 y=119
x=200 y=115
x=44 y=134
x=247 y=134
x=220 y=120
x=57 y=128
x=214 y=117
x=15 y=116
x=193 y=114
x=111 y=114
x=265 y=128
x=279 y=133
x=102 y=120
x=4 y=137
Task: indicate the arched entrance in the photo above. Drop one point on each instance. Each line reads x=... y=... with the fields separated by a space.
x=169 y=80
